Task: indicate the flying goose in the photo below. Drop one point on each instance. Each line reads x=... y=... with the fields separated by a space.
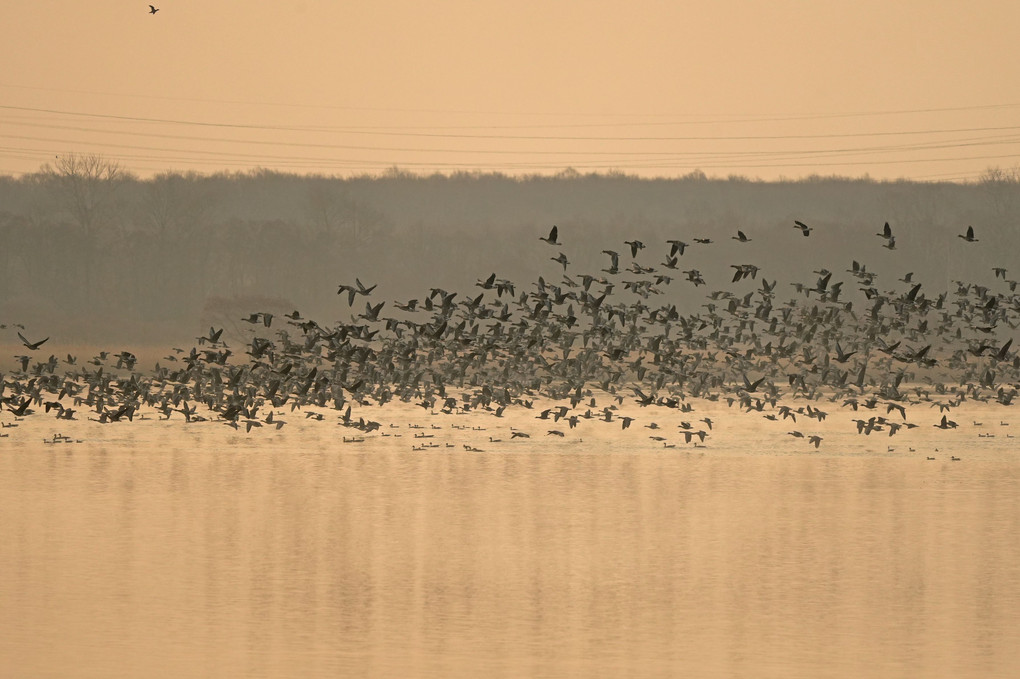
x=970 y=235
x=551 y=240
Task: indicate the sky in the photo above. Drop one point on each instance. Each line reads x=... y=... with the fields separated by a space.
x=923 y=90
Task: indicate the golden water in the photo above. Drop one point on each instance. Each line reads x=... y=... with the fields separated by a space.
x=159 y=550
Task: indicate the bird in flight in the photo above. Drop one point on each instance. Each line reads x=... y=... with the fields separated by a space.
x=635 y=245
x=676 y=246
x=32 y=346
x=551 y=240
x=153 y=10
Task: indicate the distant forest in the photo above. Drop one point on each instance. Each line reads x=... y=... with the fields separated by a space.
x=94 y=255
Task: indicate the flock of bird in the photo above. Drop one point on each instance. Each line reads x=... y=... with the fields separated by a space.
x=594 y=348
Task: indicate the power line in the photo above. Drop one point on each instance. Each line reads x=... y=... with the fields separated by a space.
x=714 y=116
x=262 y=142
x=607 y=156
x=251 y=160
x=587 y=157
x=356 y=130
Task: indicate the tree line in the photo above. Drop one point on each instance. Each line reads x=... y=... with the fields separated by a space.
x=95 y=254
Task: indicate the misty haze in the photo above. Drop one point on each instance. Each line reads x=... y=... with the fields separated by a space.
x=484 y=339
x=150 y=261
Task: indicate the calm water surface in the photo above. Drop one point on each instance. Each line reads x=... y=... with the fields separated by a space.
x=163 y=555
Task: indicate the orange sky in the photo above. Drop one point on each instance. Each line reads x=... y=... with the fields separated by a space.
x=923 y=90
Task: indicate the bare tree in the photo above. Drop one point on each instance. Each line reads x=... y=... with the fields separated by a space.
x=174 y=204
x=368 y=225
x=333 y=211
x=326 y=206
x=85 y=185
x=1002 y=185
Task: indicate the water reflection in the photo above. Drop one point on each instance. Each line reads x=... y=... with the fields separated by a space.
x=308 y=562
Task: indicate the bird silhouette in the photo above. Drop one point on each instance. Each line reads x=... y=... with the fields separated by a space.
x=676 y=246
x=153 y=10
x=551 y=240
x=32 y=346
x=566 y=341
x=635 y=245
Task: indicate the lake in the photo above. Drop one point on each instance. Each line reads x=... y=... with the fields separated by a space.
x=163 y=550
